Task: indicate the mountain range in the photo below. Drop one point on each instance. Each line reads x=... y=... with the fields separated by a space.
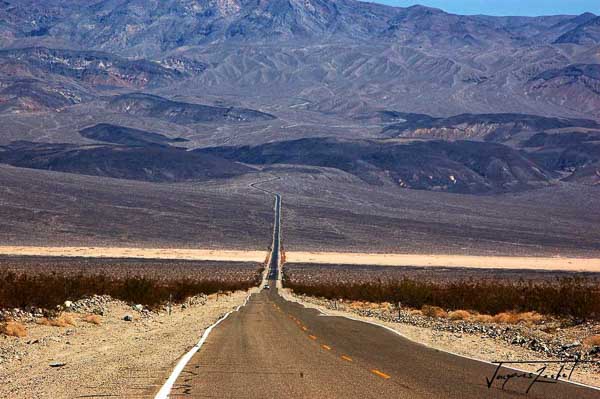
x=414 y=96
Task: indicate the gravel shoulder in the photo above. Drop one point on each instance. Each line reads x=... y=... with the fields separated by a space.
x=115 y=358
x=485 y=342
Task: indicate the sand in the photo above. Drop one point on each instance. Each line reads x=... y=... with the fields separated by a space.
x=487 y=262
x=138 y=253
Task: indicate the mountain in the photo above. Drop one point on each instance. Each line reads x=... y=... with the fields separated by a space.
x=588 y=32
x=147 y=163
x=488 y=127
x=105 y=132
x=145 y=105
x=460 y=166
x=341 y=56
x=407 y=96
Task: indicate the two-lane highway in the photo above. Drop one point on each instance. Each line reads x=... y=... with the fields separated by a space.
x=273 y=348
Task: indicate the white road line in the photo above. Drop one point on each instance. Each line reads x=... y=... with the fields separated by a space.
x=165 y=390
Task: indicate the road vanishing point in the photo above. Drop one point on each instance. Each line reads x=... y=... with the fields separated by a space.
x=274 y=348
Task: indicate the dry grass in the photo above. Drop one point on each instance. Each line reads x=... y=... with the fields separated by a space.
x=433 y=311
x=64 y=320
x=483 y=318
x=459 y=315
x=13 y=329
x=593 y=340
x=93 y=319
x=147 y=285
x=512 y=302
x=516 y=318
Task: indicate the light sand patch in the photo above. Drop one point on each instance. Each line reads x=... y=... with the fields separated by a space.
x=137 y=253
x=488 y=262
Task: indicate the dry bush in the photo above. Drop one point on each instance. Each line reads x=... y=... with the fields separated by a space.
x=93 y=319
x=531 y=317
x=64 y=320
x=593 y=340
x=433 y=311
x=506 y=318
x=483 y=318
x=459 y=315
x=516 y=318
x=13 y=329
x=149 y=284
x=487 y=296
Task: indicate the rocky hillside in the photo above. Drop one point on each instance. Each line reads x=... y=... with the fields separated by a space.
x=340 y=56
x=460 y=166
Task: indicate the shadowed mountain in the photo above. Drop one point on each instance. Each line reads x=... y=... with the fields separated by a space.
x=488 y=127
x=460 y=166
x=150 y=163
x=147 y=105
x=575 y=154
x=126 y=135
x=588 y=32
x=33 y=95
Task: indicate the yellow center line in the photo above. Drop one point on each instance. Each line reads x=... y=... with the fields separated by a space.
x=327 y=347
x=346 y=358
x=381 y=374
x=313 y=337
x=304 y=328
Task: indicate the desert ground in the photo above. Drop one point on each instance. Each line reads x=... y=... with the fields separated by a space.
x=137 y=253
x=448 y=261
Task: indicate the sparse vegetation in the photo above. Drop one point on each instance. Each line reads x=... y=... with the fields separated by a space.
x=510 y=301
x=93 y=319
x=48 y=284
x=594 y=340
x=62 y=320
x=433 y=311
x=13 y=329
x=459 y=315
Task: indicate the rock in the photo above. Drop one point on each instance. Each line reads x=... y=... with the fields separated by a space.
x=57 y=364
x=128 y=318
x=138 y=307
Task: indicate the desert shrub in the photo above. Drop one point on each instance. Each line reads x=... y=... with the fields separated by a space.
x=13 y=329
x=63 y=320
x=93 y=319
x=459 y=315
x=565 y=297
x=483 y=318
x=593 y=340
x=433 y=311
x=47 y=290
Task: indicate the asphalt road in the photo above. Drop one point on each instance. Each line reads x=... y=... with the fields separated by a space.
x=272 y=348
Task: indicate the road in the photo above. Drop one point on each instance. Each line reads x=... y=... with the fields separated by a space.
x=273 y=348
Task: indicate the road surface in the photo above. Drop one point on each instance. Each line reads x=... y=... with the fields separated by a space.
x=272 y=348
